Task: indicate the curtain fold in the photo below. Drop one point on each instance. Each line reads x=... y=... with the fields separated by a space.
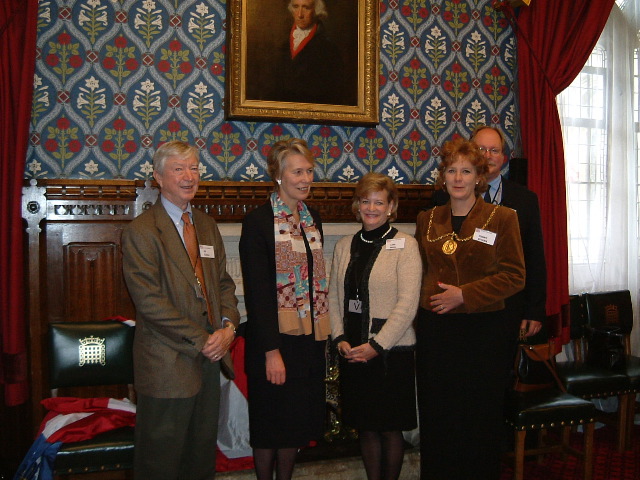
x=18 y=23
x=555 y=38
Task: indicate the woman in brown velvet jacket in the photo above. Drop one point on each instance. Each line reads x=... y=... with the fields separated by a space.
x=472 y=260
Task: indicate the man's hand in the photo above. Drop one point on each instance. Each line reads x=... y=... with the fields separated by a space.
x=218 y=344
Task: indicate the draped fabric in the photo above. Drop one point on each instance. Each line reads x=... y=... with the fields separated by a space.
x=555 y=38
x=18 y=20
x=602 y=182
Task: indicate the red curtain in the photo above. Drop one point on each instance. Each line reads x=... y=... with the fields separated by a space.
x=18 y=21
x=555 y=39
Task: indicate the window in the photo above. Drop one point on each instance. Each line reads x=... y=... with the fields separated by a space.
x=600 y=117
x=583 y=119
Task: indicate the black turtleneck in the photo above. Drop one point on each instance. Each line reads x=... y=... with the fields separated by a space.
x=361 y=256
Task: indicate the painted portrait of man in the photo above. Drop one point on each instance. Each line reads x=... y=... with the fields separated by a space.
x=302 y=51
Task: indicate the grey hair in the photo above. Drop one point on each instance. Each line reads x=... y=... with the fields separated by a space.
x=175 y=148
x=319 y=7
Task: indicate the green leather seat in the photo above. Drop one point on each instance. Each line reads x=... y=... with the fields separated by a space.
x=92 y=354
x=545 y=409
x=615 y=309
x=589 y=381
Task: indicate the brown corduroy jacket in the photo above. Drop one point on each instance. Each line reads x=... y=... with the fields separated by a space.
x=487 y=274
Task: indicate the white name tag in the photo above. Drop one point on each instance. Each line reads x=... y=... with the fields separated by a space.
x=355 y=306
x=484 y=236
x=206 y=251
x=395 y=243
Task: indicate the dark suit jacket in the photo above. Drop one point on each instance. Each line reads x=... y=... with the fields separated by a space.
x=314 y=75
x=258 y=259
x=530 y=303
x=172 y=324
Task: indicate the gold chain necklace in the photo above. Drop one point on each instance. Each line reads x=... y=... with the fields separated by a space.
x=450 y=246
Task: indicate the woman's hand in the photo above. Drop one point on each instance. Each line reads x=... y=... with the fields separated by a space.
x=344 y=348
x=276 y=371
x=448 y=300
x=361 y=354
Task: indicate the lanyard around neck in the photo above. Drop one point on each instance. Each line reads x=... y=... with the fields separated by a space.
x=498 y=192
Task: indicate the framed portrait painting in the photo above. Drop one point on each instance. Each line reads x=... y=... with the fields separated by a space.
x=309 y=61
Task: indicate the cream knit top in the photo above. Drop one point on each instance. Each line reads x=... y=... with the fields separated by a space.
x=394 y=290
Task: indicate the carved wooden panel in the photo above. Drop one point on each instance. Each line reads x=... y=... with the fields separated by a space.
x=91 y=280
x=84 y=272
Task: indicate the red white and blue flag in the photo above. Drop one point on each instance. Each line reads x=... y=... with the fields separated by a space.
x=71 y=419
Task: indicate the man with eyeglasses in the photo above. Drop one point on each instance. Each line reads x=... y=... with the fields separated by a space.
x=527 y=308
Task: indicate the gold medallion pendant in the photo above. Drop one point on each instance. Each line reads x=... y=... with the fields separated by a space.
x=449 y=247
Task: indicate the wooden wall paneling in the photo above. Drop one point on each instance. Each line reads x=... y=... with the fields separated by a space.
x=34 y=212
x=90 y=279
x=231 y=201
x=84 y=272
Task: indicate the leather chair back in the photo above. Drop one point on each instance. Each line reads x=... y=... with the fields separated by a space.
x=610 y=309
x=90 y=353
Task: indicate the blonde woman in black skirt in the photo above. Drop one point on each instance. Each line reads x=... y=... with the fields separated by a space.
x=373 y=298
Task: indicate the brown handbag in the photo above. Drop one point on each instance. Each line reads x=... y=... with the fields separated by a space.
x=535 y=368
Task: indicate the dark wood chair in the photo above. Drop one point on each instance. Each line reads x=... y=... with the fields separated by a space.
x=87 y=356
x=585 y=380
x=615 y=309
x=542 y=410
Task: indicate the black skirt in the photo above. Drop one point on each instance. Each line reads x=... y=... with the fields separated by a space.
x=293 y=414
x=379 y=395
x=462 y=371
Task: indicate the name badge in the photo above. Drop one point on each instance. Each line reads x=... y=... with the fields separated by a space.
x=395 y=243
x=355 y=306
x=484 y=236
x=206 y=251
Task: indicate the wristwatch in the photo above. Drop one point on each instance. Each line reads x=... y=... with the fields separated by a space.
x=226 y=323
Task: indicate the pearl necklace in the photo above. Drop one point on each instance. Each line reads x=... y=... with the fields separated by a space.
x=371 y=241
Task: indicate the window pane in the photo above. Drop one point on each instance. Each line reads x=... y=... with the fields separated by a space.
x=583 y=126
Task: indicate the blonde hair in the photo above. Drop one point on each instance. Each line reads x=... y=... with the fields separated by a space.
x=277 y=158
x=375 y=182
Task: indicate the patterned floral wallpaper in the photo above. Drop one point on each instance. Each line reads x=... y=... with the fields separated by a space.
x=116 y=78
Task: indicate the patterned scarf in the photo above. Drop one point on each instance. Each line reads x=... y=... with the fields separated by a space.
x=292 y=273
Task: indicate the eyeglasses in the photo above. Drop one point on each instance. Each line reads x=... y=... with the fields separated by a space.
x=492 y=151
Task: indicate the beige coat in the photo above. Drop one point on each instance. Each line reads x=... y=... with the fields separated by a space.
x=394 y=286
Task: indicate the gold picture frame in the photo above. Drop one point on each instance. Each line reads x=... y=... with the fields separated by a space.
x=263 y=83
